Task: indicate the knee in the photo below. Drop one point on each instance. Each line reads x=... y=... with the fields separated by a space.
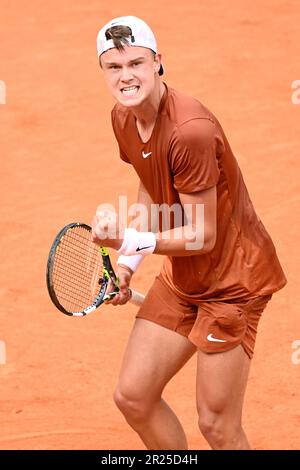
x=134 y=408
x=211 y=429
x=214 y=428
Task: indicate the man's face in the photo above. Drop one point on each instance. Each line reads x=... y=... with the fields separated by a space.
x=131 y=75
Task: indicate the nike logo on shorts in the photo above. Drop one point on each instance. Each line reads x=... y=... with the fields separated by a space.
x=216 y=340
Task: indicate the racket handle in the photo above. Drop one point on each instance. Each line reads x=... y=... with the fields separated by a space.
x=137 y=298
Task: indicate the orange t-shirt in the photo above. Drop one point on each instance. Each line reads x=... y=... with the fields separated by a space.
x=188 y=152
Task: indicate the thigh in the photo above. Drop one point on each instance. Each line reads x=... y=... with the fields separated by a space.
x=221 y=382
x=163 y=306
x=153 y=356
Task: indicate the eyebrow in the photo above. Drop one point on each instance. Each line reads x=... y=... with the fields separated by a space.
x=130 y=62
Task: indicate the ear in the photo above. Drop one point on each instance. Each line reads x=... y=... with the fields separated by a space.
x=157 y=62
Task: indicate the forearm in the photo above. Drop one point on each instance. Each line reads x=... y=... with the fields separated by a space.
x=188 y=240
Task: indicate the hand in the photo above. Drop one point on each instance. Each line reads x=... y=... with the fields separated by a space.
x=124 y=274
x=107 y=229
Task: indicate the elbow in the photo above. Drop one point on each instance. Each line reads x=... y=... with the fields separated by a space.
x=210 y=238
x=209 y=243
x=201 y=243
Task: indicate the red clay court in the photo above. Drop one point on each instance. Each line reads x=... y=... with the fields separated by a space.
x=59 y=160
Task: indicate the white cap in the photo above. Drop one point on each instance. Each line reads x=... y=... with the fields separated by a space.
x=141 y=35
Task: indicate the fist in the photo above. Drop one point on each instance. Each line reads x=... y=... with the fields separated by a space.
x=106 y=226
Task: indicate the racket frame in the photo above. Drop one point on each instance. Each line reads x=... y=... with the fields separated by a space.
x=107 y=274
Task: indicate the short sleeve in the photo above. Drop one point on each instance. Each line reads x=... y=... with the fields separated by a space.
x=193 y=155
x=122 y=154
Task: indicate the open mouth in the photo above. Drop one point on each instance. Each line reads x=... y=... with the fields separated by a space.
x=130 y=90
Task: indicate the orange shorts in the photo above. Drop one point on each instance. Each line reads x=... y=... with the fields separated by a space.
x=212 y=326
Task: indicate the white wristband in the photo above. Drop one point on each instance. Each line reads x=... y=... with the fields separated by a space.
x=131 y=262
x=135 y=242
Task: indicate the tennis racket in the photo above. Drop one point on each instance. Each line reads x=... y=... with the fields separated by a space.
x=79 y=271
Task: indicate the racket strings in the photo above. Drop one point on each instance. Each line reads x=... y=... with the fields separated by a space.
x=74 y=294
x=77 y=270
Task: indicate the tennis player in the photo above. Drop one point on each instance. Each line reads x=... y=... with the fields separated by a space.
x=209 y=296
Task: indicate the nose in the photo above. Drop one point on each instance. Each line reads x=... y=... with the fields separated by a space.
x=126 y=74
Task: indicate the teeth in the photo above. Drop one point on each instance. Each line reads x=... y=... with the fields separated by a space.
x=130 y=90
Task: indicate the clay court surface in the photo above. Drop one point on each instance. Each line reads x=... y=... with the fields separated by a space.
x=59 y=160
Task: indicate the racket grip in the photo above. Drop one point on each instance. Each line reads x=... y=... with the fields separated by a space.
x=136 y=298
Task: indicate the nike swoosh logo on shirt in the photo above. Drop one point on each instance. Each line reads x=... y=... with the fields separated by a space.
x=146 y=155
x=216 y=340
x=143 y=248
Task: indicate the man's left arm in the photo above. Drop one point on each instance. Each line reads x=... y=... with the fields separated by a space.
x=198 y=235
x=195 y=237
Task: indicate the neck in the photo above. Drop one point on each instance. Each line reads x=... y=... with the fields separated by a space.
x=146 y=113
